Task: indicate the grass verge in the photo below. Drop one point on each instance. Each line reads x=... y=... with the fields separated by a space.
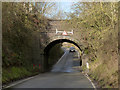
x=16 y=73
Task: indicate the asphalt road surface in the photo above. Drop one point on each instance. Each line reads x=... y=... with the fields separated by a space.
x=64 y=75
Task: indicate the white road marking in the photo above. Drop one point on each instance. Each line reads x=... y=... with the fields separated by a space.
x=21 y=81
x=18 y=82
x=91 y=82
x=62 y=57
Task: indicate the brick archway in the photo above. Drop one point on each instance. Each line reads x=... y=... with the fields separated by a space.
x=57 y=39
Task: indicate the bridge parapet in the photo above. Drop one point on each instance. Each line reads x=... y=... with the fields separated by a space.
x=55 y=32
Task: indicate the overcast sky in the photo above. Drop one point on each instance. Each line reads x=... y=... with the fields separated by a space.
x=65 y=6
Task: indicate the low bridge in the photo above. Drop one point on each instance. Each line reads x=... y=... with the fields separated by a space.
x=50 y=38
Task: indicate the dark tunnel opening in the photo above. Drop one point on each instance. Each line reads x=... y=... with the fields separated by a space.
x=52 y=44
x=59 y=41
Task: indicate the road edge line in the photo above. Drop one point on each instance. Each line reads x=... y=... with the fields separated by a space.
x=91 y=82
x=18 y=82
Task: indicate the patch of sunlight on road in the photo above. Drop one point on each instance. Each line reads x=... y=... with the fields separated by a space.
x=68 y=63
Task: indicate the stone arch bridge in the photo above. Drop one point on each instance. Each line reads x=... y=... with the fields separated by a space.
x=53 y=38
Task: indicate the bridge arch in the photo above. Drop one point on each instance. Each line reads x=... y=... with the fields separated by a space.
x=56 y=40
x=60 y=39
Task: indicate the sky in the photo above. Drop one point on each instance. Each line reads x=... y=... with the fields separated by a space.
x=65 y=6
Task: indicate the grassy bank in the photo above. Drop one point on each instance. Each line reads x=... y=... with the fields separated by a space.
x=105 y=76
x=97 y=25
x=19 y=42
x=15 y=73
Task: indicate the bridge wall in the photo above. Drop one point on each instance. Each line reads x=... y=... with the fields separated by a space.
x=42 y=39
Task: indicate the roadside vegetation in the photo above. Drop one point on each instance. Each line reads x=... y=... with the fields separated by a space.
x=97 y=23
x=20 y=28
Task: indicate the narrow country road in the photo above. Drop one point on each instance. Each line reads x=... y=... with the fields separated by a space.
x=66 y=75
